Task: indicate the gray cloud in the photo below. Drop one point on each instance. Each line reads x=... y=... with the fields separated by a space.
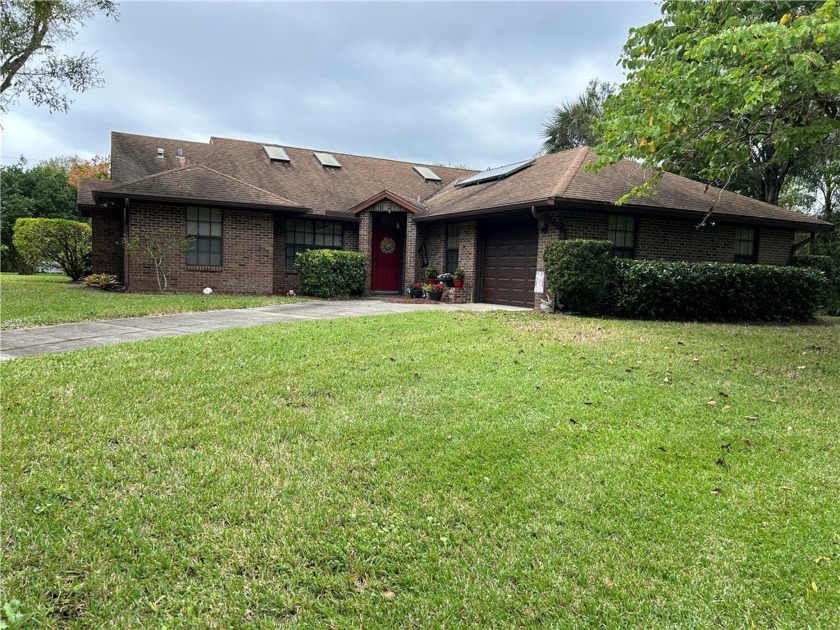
x=459 y=83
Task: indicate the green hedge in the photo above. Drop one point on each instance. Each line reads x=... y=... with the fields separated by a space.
x=576 y=272
x=660 y=289
x=331 y=273
x=829 y=267
x=584 y=279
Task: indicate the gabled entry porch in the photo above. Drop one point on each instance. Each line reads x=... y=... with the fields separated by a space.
x=388 y=239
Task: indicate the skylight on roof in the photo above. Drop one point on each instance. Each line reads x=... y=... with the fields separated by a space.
x=327 y=159
x=427 y=174
x=493 y=174
x=276 y=154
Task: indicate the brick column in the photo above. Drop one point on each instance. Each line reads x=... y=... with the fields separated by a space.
x=365 y=236
x=410 y=253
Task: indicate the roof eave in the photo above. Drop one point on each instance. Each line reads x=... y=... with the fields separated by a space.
x=654 y=211
x=479 y=212
x=108 y=194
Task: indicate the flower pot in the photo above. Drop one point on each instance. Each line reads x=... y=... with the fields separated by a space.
x=435 y=295
x=416 y=293
x=449 y=282
x=431 y=280
x=459 y=284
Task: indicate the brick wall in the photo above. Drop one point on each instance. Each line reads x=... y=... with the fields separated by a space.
x=435 y=239
x=670 y=239
x=106 y=239
x=247 y=251
x=284 y=279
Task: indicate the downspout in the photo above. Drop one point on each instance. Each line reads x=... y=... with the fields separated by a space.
x=543 y=219
x=797 y=246
x=125 y=244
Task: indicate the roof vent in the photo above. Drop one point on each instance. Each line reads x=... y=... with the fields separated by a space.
x=427 y=174
x=160 y=152
x=276 y=154
x=327 y=159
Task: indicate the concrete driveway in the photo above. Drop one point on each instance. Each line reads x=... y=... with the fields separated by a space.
x=106 y=332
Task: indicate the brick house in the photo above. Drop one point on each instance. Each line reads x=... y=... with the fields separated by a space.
x=251 y=207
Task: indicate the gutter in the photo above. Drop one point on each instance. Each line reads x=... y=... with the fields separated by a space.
x=542 y=219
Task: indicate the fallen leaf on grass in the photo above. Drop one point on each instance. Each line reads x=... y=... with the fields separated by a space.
x=712 y=403
x=751 y=417
x=717 y=490
x=720 y=461
x=608 y=582
x=388 y=594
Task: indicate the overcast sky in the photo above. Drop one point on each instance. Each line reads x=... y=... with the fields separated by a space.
x=433 y=82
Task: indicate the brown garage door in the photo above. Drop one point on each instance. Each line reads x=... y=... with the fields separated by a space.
x=509 y=263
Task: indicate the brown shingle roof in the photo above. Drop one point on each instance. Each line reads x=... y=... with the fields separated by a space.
x=303 y=180
x=238 y=171
x=84 y=193
x=199 y=184
x=562 y=178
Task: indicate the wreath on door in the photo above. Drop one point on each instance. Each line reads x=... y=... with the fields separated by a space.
x=388 y=245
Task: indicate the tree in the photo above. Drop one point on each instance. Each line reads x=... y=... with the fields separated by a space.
x=32 y=63
x=55 y=241
x=41 y=191
x=158 y=247
x=97 y=167
x=573 y=123
x=727 y=91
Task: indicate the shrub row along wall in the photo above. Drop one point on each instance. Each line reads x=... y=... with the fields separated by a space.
x=584 y=279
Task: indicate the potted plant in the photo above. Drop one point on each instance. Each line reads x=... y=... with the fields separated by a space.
x=431 y=274
x=459 y=277
x=434 y=291
x=417 y=290
x=447 y=278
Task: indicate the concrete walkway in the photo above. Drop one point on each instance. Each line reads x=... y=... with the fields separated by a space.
x=106 y=332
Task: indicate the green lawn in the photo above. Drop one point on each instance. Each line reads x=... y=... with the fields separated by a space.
x=427 y=470
x=52 y=299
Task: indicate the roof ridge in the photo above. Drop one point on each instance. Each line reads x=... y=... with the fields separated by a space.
x=571 y=171
x=358 y=155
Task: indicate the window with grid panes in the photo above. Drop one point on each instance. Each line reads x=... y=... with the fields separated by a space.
x=745 y=245
x=621 y=231
x=451 y=247
x=303 y=235
x=204 y=227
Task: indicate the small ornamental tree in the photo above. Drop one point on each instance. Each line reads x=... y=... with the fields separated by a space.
x=159 y=247
x=55 y=241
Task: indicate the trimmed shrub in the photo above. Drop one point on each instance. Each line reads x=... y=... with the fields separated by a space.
x=660 y=289
x=331 y=273
x=577 y=273
x=58 y=242
x=829 y=267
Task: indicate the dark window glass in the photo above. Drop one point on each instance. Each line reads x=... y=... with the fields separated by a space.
x=621 y=231
x=745 y=245
x=303 y=235
x=204 y=227
x=451 y=247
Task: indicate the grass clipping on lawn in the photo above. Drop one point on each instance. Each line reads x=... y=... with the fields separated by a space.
x=429 y=469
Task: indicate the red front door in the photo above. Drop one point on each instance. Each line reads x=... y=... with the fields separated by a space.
x=387 y=258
